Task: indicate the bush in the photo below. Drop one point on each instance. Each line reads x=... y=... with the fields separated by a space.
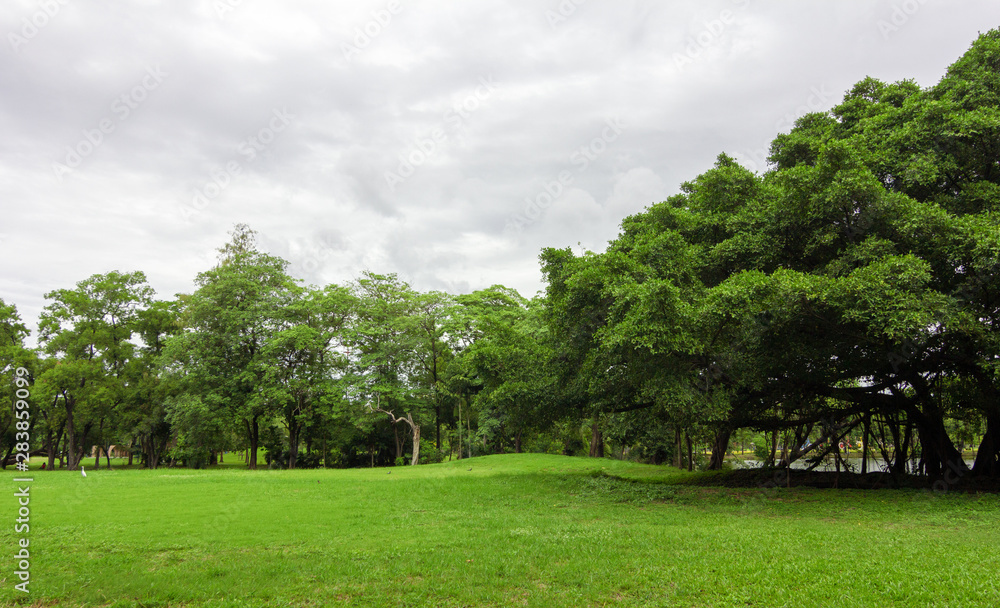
x=431 y=456
x=335 y=459
x=275 y=453
x=308 y=460
x=543 y=443
x=192 y=457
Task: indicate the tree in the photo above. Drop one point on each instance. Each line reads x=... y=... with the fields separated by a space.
x=431 y=311
x=510 y=358
x=12 y=335
x=14 y=355
x=302 y=357
x=230 y=318
x=88 y=331
x=386 y=338
x=147 y=422
x=854 y=281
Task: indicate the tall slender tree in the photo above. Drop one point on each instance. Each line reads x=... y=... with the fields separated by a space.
x=386 y=338
x=88 y=331
x=303 y=359
x=230 y=318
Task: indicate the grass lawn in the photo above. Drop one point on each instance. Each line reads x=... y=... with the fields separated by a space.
x=515 y=530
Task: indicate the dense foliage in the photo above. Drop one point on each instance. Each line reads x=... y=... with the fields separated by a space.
x=853 y=288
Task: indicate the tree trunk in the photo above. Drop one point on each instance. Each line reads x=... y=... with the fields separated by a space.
x=517 y=442
x=398 y=441
x=294 y=430
x=416 y=439
x=687 y=437
x=783 y=461
x=52 y=448
x=883 y=444
x=293 y=444
x=677 y=447
x=71 y=455
x=939 y=454
x=107 y=454
x=83 y=442
x=154 y=454
x=148 y=448
x=50 y=452
x=6 y=458
x=97 y=447
x=937 y=450
x=460 y=399
x=596 y=440
x=907 y=445
x=254 y=427
x=864 y=443
x=987 y=462
x=774 y=449
x=901 y=443
x=719 y=448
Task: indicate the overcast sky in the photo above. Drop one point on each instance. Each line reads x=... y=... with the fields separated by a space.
x=447 y=142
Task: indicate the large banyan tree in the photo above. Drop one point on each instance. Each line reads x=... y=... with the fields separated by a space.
x=852 y=288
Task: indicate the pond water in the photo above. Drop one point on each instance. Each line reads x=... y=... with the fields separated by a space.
x=874 y=464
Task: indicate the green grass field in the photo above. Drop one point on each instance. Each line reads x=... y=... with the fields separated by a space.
x=516 y=530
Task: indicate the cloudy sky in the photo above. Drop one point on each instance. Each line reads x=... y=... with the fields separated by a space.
x=447 y=142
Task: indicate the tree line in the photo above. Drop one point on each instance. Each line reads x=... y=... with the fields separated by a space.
x=848 y=291
x=343 y=375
